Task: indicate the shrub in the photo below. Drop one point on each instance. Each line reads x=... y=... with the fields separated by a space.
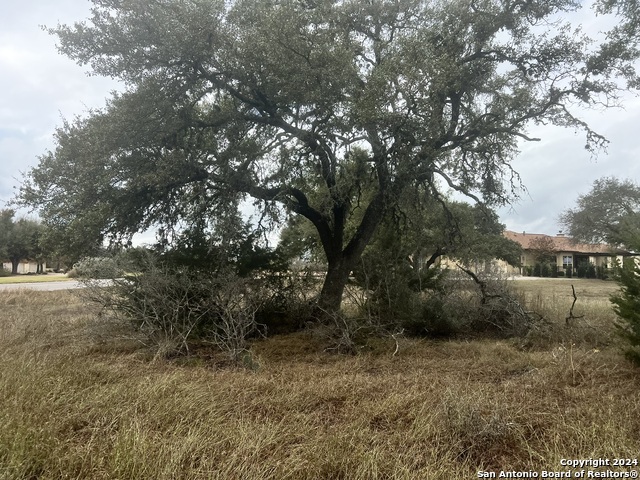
x=168 y=308
x=4 y=273
x=394 y=290
x=545 y=270
x=602 y=273
x=231 y=308
x=627 y=307
x=591 y=271
x=581 y=271
x=279 y=315
x=98 y=268
x=434 y=319
x=489 y=305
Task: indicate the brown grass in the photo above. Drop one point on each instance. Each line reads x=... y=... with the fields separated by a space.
x=74 y=408
x=593 y=317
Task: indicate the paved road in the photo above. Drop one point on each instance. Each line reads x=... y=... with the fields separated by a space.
x=42 y=286
x=48 y=286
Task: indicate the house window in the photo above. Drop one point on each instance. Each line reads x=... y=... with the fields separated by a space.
x=567 y=261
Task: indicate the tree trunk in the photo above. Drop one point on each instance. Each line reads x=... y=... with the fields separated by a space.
x=14 y=266
x=341 y=261
x=333 y=286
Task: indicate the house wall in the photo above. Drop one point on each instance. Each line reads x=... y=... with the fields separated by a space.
x=527 y=259
x=619 y=259
x=496 y=266
x=23 y=267
x=502 y=267
x=597 y=260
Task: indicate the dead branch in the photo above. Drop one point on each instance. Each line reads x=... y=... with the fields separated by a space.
x=481 y=284
x=571 y=315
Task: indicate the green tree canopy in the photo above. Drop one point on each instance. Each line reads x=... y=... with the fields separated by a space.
x=6 y=222
x=272 y=98
x=19 y=239
x=610 y=213
x=418 y=233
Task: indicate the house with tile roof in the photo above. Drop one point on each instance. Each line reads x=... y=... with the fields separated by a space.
x=566 y=254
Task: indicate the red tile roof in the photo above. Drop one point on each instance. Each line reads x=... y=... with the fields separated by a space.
x=562 y=243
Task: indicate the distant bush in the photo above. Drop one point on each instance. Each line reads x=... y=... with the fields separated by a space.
x=581 y=270
x=4 y=273
x=602 y=273
x=98 y=268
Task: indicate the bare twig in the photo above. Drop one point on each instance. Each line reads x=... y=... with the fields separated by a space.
x=393 y=335
x=481 y=284
x=571 y=315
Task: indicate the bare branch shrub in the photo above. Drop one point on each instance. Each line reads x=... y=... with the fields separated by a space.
x=160 y=307
x=496 y=307
x=234 y=302
x=348 y=334
x=287 y=300
x=92 y=268
x=167 y=308
x=366 y=315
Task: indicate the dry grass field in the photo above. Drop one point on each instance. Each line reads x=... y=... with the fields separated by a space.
x=72 y=407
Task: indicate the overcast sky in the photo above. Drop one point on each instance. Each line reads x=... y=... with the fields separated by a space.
x=39 y=87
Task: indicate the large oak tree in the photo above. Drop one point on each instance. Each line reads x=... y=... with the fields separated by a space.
x=298 y=103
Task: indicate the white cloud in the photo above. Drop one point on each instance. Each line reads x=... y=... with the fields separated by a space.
x=39 y=85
